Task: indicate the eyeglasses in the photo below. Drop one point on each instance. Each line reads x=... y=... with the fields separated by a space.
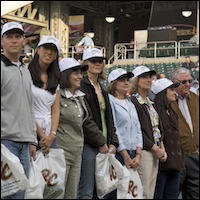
x=96 y=60
x=185 y=81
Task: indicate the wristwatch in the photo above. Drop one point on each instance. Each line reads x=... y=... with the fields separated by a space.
x=54 y=132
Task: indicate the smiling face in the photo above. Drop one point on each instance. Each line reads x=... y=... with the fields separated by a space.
x=145 y=81
x=185 y=80
x=122 y=86
x=171 y=94
x=95 y=66
x=75 y=79
x=47 y=54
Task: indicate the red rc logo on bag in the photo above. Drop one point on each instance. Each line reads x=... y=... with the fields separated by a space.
x=50 y=177
x=112 y=172
x=132 y=188
x=5 y=171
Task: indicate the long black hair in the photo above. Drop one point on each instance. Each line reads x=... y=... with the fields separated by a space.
x=163 y=108
x=53 y=73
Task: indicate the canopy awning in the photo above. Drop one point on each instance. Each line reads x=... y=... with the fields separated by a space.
x=9 y=6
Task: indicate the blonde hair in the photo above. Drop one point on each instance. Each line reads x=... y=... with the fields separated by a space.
x=101 y=75
x=134 y=86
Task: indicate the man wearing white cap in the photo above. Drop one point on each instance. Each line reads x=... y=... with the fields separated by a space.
x=168 y=180
x=153 y=147
x=17 y=114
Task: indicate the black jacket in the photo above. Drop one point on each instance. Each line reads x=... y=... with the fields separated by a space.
x=96 y=138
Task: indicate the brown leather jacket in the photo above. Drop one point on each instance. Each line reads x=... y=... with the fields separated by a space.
x=189 y=141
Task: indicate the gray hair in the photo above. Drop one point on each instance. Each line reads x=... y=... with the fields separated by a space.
x=179 y=70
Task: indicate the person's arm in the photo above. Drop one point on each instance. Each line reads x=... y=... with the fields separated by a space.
x=92 y=45
x=81 y=42
x=55 y=113
x=46 y=141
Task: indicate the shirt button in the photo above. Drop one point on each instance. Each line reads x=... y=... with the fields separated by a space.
x=65 y=105
x=79 y=115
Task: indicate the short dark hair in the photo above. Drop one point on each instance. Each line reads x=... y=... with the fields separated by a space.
x=64 y=79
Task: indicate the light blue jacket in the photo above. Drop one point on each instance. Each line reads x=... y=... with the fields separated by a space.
x=127 y=124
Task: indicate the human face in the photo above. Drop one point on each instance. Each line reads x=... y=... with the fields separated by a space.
x=95 y=66
x=185 y=81
x=145 y=81
x=75 y=79
x=12 y=44
x=122 y=86
x=171 y=94
x=47 y=54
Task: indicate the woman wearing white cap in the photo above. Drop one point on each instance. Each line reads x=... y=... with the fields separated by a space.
x=45 y=74
x=98 y=100
x=126 y=121
x=73 y=113
x=168 y=180
x=153 y=147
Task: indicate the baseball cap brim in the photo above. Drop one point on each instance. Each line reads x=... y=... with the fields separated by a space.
x=14 y=30
x=97 y=57
x=48 y=44
x=151 y=72
x=128 y=75
x=81 y=67
x=174 y=85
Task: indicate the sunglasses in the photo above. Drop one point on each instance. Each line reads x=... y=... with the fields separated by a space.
x=96 y=60
x=185 y=81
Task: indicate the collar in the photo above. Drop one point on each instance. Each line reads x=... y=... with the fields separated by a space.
x=78 y=93
x=141 y=100
x=7 y=61
x=178 y=96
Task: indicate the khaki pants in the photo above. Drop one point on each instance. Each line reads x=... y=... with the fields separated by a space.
x=148 y=171
x=73 y=157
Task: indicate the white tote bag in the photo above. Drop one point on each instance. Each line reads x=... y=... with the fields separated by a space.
x=53 y=168
x=109 y=171
x=13 y=178
x=130 y=186
x=37 y=183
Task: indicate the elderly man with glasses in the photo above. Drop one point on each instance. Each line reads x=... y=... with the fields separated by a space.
x=187 y=109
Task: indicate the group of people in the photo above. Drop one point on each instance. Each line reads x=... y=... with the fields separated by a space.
x=62 y=104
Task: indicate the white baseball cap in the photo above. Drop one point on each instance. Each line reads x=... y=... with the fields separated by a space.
x=92 y=53
x=141 y=70
x=49 y=40
x=71 y=63
x=161 y=84
x=119 y=73
x=12 y=26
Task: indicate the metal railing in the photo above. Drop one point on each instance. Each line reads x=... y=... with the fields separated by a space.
x=72 y=52
x=154 y=50
x=148 y=50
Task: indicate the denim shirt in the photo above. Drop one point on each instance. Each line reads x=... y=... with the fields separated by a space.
x=127 y=124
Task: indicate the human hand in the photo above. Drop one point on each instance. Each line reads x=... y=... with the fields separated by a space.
x=103 y=149
x=32 y=151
